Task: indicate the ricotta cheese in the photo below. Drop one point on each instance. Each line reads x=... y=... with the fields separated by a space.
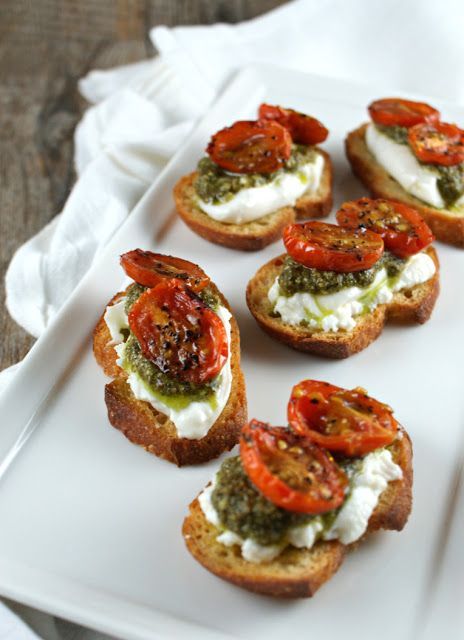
x=366 y=486
x=419 y=268
x=255 y=202
x=338 y=311
x=195 y=420
x=400 y=162
x=206 y=505
x=367 y=483
x=116 y=319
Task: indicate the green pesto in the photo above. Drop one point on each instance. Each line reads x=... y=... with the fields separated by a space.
x=450 y=182
x=296 y=278
x=133 y=293
x=245 y=511
x=215 y=185
x=175 y=393
x=393 y=264
x=397 y=134
x=210 y=298
x=207 y=295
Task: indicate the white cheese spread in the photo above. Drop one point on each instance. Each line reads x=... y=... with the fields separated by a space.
x=366 y=486
x=367 y=483
x=338 y=311
x=419 y=268
x=116 y=319
x=196 y=419
x=400 y=162
x=255 y=202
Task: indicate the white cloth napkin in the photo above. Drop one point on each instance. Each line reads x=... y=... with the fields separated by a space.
x=142 y=112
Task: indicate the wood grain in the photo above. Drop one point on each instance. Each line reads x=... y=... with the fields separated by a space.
x=45 y=47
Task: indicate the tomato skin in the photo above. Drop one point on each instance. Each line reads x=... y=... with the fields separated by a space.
x=301 y=400
x=328 y=247
x=321 y=483
x=402 y=228
x=343 y=421
x=149 y=269
x=437 y=143
x=401 y=113
x=179 y=333
x=273 y=112
x=304 y=129
x=251 y=146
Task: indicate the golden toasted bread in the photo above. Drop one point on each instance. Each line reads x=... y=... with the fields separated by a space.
x=142 y=424
x=258 y=233
x=297 y=573
x=408 y=305
x=448 y=226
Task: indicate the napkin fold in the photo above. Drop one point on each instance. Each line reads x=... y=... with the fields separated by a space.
x=121 y=146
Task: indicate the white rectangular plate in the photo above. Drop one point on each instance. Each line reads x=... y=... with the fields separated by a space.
x=90 y=524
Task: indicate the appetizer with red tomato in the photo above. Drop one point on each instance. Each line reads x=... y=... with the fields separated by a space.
x=256 y=177
x=408 y=154
x=337 y=285
x=279 y=517
x=172 y=348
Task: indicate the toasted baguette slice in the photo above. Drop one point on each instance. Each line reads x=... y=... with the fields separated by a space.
x=297 y=573
x=448 y=226
x=407 y=306
x=258 y=233
x=142 y=424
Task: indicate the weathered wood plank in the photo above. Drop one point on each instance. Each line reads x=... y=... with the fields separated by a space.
x=45 y=46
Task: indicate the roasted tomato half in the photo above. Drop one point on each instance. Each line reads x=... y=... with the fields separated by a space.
x=401 y=113
x=149 y=269
x=403 y=230
x=290 y=471
x=179 y=333
x=304 y=129
x=344 y=421
x=251 y=146
x=328 y=247
x=437 y=143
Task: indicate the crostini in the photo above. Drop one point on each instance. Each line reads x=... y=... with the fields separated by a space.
x=172 y=347
x=332 y=293
x=258 y=176
x=407 y=154
x=279 y=518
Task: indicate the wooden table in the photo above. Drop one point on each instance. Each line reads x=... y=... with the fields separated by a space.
x=45 y=47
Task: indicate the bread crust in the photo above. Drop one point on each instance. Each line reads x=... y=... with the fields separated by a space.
x=446 y=225
x=298 y=573
x=103 y=349
x=142 y=424
x=408 y=306
x=256 y=234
